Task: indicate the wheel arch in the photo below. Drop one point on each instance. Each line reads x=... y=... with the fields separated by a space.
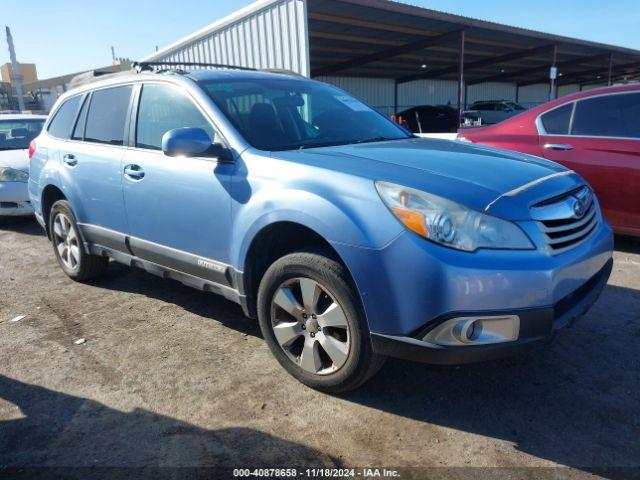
x=275 y=240
x=50 y=195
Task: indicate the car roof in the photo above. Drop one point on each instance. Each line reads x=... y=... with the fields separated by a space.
x=199 y=75
x=22 y=116
x=175 y=75
x=629 y=87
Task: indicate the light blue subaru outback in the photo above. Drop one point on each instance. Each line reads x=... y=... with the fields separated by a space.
x=348 y=238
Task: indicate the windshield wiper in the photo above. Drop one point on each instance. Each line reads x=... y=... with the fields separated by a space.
x=376 y=139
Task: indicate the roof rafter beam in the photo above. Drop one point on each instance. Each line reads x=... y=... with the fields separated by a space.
x=616 y=77
x=602 y=70
x=390 y=52
x=527 y=52
x=528 y=71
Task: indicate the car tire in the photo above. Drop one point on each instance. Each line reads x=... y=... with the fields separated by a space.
x=68 y=246
x=321 y=336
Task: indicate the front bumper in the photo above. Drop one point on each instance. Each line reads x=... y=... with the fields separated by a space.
x=14 y=199
x=537 y=326
x=412 y=285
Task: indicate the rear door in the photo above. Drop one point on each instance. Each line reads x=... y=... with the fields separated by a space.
x=178 y=208
x=92 y=157
x=599 y=138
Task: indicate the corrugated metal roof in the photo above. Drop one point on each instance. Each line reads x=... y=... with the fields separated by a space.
x=333 y=37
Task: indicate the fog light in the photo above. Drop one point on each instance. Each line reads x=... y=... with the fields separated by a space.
x=475 y=330
x=467 y=331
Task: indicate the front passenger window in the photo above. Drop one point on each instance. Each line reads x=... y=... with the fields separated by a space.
x=163 y=108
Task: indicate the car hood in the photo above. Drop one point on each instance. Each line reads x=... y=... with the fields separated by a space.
x=481 y=177
x=17 y=159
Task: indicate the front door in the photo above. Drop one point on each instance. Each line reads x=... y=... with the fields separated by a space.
x=178 y=209
x=603 y=145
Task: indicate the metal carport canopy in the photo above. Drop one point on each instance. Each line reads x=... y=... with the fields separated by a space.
x=380 y=38
x=384 y=39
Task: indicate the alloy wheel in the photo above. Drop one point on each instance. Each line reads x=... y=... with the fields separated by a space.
x=310 y=326
x=65 y=239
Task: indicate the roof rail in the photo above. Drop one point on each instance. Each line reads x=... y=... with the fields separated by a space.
x=176 y=66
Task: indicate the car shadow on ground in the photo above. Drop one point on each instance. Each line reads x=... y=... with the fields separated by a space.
x=205 y=304
x=624 y=243
x=24 y=225
x=51 y=428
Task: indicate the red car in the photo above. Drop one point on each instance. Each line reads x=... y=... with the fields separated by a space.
x=595 y=133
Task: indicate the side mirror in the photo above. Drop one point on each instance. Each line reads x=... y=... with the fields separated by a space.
x=192 y=142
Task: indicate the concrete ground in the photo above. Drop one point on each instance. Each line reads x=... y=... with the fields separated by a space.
x=172 y=377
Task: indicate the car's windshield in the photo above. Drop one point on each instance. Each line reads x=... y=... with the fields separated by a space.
x=17 y=134
x=285 y=114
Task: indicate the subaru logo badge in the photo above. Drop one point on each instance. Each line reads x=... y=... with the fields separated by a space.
x=582 y=203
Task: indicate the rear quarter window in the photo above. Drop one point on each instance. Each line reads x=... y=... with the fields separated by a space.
x=64 y=118
x=556 y=121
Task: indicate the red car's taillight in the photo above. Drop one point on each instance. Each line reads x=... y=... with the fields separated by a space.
x=32 y=148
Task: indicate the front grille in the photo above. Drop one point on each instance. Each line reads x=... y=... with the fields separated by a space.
x=561 y=227
x=8 y=205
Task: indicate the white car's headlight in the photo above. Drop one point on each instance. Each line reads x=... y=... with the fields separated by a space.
x=449 y=223
x=12 y=175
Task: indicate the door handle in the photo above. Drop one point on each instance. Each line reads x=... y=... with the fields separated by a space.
x=70 y=159
x=134 y=172
x=558 y=146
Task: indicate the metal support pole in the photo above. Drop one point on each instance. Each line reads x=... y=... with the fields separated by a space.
x=610 y=68
x=465 y=100
x=552 y=85
x=15 y=71
x=517 y=92
x=460 y=77
x=395 y=96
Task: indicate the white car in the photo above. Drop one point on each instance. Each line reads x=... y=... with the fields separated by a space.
x=495 y=111
x=16 y=133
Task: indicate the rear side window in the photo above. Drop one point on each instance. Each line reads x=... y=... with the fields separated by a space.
x=556 y=121
x=107 y=115
x=78 y=131
x=62 y=122
x=163 y=108
x=608 y=116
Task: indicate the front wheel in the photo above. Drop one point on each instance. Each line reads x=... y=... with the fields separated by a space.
x=312 y=321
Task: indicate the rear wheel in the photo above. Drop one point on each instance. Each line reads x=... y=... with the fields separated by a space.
x=312 y=321
x=68 y=248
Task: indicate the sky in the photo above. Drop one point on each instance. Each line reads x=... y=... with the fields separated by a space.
x=66 y=36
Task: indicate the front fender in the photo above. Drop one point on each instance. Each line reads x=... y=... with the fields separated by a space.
x=341 y=208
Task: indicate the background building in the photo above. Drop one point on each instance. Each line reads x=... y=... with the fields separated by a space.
x=42 y=94
x=28 y=70
x=394 y=56
x=8 y=99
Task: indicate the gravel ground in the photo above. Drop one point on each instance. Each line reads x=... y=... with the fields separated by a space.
x=173 y=377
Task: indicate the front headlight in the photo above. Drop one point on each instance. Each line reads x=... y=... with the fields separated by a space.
x=449 y=223
x=12 y=175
